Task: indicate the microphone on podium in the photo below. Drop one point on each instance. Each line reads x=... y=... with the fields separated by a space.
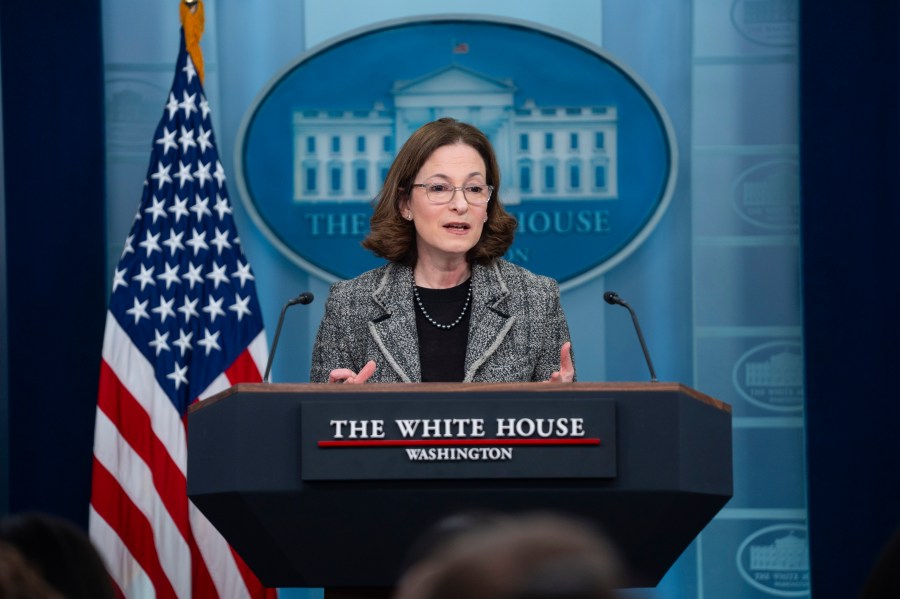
x=304 y=298
x=613 y=298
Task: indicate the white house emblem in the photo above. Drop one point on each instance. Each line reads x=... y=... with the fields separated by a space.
x=587 y=155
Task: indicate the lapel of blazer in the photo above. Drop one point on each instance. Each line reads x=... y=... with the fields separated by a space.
x=395 y=331
x=491 y=316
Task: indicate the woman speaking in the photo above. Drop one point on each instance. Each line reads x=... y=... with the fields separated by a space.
x=446 y=306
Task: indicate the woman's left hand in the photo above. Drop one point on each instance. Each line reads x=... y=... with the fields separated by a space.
x=347 y=376
x=566 y=372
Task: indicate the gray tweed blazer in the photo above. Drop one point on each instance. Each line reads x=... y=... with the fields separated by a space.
x=516 y=328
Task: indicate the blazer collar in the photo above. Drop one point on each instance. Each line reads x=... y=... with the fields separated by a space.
x=394 y=331
x=491 y=318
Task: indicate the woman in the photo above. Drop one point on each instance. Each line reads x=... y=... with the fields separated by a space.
x=446 y=307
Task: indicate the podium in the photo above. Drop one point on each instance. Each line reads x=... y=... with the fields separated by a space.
x=329 y=486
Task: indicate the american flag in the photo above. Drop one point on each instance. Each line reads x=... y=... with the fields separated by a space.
x=183 y=323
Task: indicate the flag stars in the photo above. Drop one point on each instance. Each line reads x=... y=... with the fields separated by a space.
x=203 y=139
x=174 y=241
x=186 y=139
x=157 y=209
x=200 y=207
x=183 y=343
x=129 y=248
x=217 y=275
x=183 y=174
x=222 y=207
x=162 y=175
x=151 y=243
x=167 y=140
x=219 y=175
x=119 y=279
x=193 y=275
x=243 y=273
x=178 y=375
x=197 y=242
x=221 y=240
x=240 y=307
x=170 y=276
x=179 y=208
x=202 y=173
x=188 y=104
x=172 y=106
x=146 y=276
x=210 y=341
x=204 y=106
x=164 y=309
x=214 y=308
x=138 y=310
x=160 y=343
x=189 y=309
x=189 y=69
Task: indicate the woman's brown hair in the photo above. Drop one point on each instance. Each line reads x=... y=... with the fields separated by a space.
x=394 y=238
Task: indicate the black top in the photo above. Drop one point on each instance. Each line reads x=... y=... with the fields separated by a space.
x=442 y=352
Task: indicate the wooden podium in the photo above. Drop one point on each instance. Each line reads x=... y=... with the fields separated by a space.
x=312 y=491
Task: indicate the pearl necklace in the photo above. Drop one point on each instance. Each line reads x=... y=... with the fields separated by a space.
x=428 y=316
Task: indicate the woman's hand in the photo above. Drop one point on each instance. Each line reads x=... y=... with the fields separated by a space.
x=345 y=375
x=566 y=372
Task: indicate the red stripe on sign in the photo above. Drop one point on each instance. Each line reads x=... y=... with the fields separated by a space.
x=457 y=442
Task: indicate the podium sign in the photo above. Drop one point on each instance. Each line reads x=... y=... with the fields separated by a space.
x=479 y=438
x=330 y=485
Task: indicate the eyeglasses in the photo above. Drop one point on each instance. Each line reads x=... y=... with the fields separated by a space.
x=441 y=193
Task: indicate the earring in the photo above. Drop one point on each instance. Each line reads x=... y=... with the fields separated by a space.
x=485 y=220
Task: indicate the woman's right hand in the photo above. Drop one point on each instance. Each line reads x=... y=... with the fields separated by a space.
x=347 y=376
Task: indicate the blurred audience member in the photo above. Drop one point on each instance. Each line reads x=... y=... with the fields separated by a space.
x=884 y=579
x=19 y=580
x=447 y=529
x=61 y=553
x=527 y=557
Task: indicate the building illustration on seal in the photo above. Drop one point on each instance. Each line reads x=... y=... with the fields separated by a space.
x=784 y=369
x=785 y=553
x=545 y=152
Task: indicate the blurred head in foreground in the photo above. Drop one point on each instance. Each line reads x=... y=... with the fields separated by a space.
x=526 y=557
x=60 y=553
x=19 y=579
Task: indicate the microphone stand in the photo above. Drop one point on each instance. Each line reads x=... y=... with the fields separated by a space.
x=304 y=298
x=612 y=297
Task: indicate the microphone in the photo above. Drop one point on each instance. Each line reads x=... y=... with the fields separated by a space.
x=304 y=298
x=612 y=298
